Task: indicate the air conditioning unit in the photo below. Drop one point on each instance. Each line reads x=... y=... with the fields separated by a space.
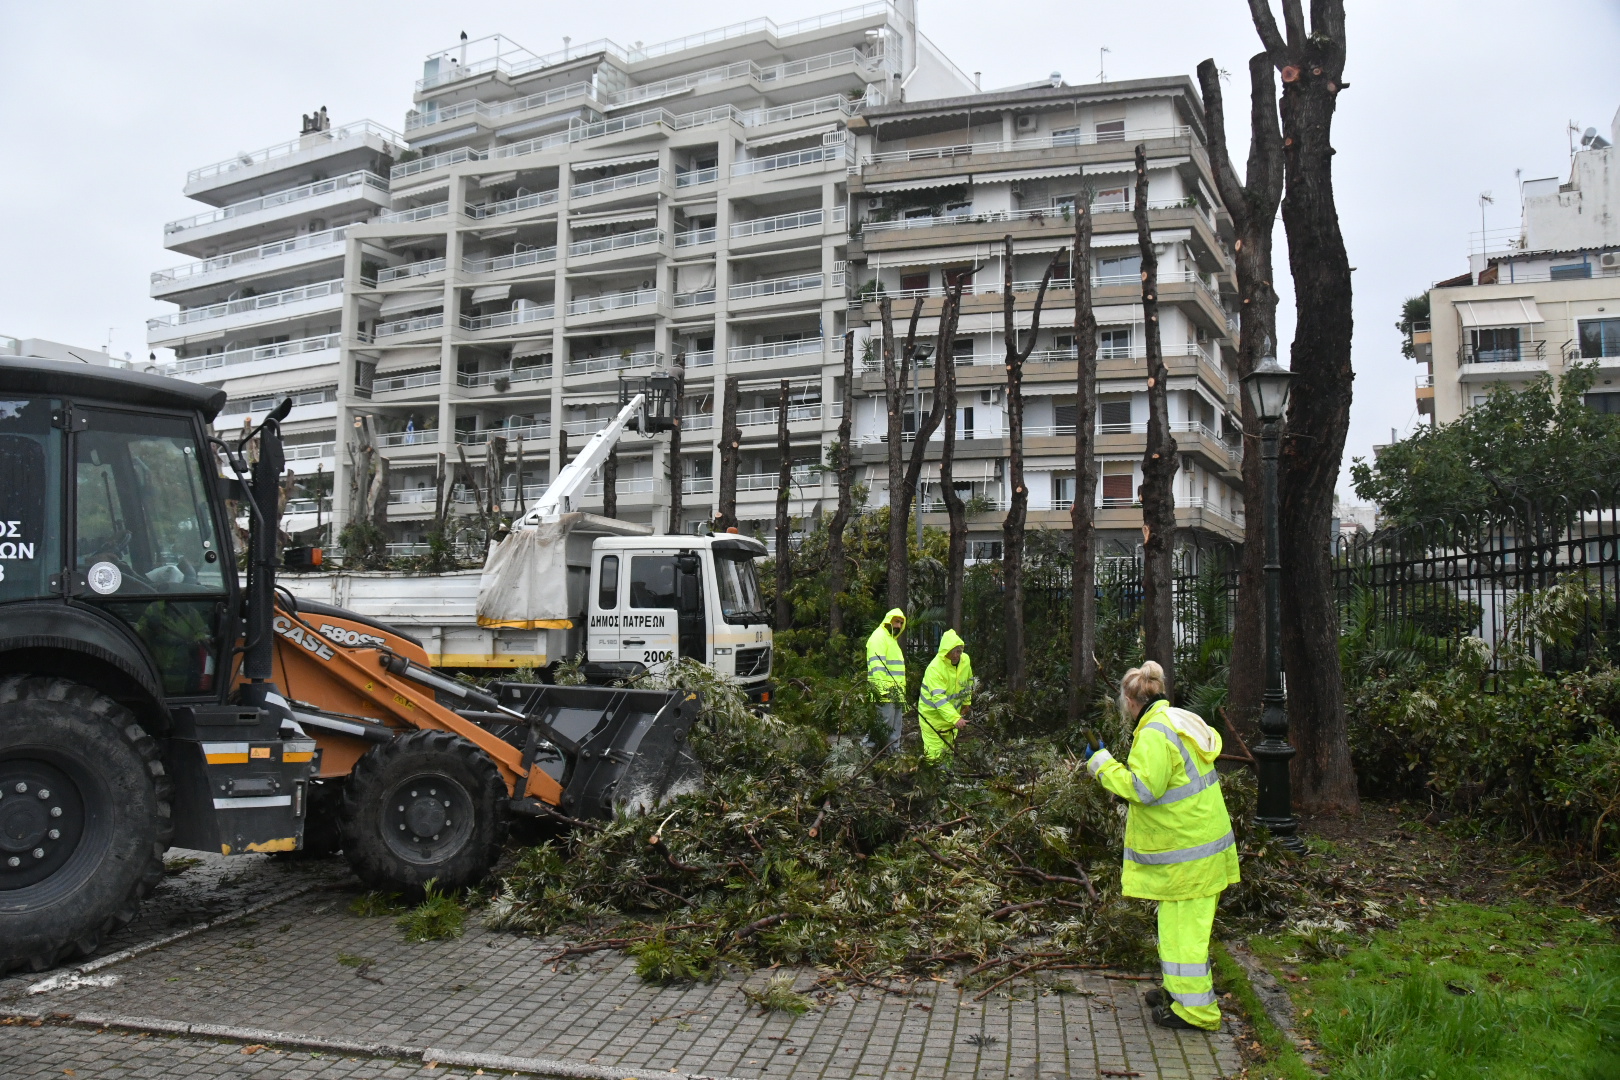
x=1026 y=122
x=875 y=203
x=1609 y=260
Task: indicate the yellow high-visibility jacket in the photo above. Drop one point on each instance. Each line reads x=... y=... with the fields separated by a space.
x=885 y=663
x=947 y=689
x=1178 y=837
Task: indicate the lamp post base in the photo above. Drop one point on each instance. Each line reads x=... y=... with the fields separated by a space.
x=1285 y=831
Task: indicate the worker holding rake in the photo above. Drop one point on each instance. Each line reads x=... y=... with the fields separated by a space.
x=942 y=704
x=1179 y=847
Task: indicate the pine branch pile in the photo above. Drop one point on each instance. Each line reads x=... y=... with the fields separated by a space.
x=802 y=847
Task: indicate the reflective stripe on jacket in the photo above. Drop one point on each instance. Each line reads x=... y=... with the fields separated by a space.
x=885 y=663
x=947 y=689
x=1178 y=837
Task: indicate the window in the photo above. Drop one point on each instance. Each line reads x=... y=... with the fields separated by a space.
x=1067 y=137
x=1111 y=131
x=1112 y=199
x=967 y=422
x=1062 y=492
x=738 y=586
x=1066 y=415
x=1604 y=402
x=1114 y=343
x=607 y=592
x=1120 y=270
x=1600 y=337
x=908 y=282
x=30 y=474
x=1114 y=414
x=1571 y=271
x=1495 y=345
x=986 y=550
x=1118 y=483
x=652 y=581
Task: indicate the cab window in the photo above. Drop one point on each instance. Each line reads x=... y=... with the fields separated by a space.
x=652 y=581
x=607 y=591
x=30 y=498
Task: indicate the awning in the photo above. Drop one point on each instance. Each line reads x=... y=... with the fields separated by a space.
x=413 y=359
x=1130 y=166
x=918 y=185
x=789 y=136
x=403 y=192
x=496 y=179
x=611 y=163
x=444 y=137
x=1026 y=174
x=961 y=253
x=612 y=219
x=1508 y=311
x=535 y=347
x=963 y=469
x=485 y=293
x=278 y=381
x=399 y=303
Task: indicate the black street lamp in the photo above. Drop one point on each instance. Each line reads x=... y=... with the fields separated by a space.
x=1266 y=389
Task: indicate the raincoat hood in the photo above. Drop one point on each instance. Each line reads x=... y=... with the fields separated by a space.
x=1205 y=739
x=889 y=618
x=949 y=641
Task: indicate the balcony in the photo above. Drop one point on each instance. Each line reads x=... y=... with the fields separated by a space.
x=416 y=213
x=696 y=177
x=750 y=290
x=362 y=180
x=518 y=316
x=618 y=242
x=416 y=380
x=586 y=427
x=309 y=451
x=595 y=365
x=263 y=352
x=702 y=421
x=800 y=475
x=478 y=380
x=1522 y=352
x=511 y=433
x=491 y=113
x=436 y=161
x=695 y=299
x=793 y=159
x=627 y=485
x=697 y=485
x=616 y=183
x=775 y=350
x=410 y=326
x=193 y=316
x=632 y=298
x=424 y=437
x=355 y=132
x=496 y=263
x=803 y=219
x=796 y=414
x=694 y=237
x=410 y=270
x=327 y=244
x=1044 y=142
x=704 y=358
x=514 y=205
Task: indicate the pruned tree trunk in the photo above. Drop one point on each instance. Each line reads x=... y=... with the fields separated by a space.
x=472 y=482
x=1253 y=206
x=730 y=455
x=1083 y=514
x=677 y=477
x=377 y=494
x=1012 y=530
x=927 y=425
x=945 y=405
x=784 y=490
x=495 y=471
x=844 y=462
x=894 y=386
x=610 y=484
x=1158 y=460
x=1311 y=63
x=517 y=479
x=441 y=501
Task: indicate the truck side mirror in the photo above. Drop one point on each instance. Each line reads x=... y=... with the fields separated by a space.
x=690 y=598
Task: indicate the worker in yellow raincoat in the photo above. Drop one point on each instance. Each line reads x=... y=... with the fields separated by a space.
x=886 y=671
x=1179 y=847
x=947 y=691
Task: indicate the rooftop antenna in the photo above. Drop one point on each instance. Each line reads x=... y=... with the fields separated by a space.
x=1485 y=199
x=108 y=347
x=1572 y=129
x=566 y=42
x=1102 y=64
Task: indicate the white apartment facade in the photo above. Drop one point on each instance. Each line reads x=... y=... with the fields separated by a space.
x=259 y=306
x=1548 y=299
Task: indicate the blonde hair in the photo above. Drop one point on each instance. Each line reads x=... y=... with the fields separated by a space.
x=1140 y=684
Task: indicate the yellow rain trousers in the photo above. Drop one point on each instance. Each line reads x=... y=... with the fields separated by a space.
x=947 y=689
x=1179 y=847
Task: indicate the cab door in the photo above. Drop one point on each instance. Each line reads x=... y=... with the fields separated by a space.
x=602 y=630
x=650 y=619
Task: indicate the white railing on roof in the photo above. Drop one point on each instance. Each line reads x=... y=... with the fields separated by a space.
x=417 y=213
x=421 y=268
x=613 y=301
x=410 y=326
x=591 y=365
x=437 y=161
x=249 y=303
x=599 y=244
x=493 y=263
x=791 y=159
x=1041 y=142
x=415 y=380
x=330 y=237
x=803 y=219
x=360 y=128
x=359 y=178
x=515 y=375
x=774 y=286
x=260 y=352
x=775 y=349
x=526 y=201
x=491 y=112
x=515 y=317
x=444 y=114
x=616 y=183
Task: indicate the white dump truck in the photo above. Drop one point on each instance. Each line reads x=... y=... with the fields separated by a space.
x=565 y=584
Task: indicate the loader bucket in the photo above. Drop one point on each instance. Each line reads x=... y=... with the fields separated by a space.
x=632 y=749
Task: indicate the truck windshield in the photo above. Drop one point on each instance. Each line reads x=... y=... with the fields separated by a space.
x=739 y=588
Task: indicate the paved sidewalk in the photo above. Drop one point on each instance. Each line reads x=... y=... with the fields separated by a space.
x=493 y=993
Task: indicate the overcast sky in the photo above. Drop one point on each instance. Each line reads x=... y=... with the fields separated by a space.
x=107 y=105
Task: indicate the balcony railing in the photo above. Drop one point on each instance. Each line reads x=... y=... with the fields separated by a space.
x=704 y=358
x=694 y=177
x=1044 y=142
x=768 y=417
x=416 y=213
x=804 y=219
x=437 y=161
x=624 y=485
x=416 y=380
x=701 y=421
x=694 y=237
x=517 y=203
x=1424 y=382
x=801 y=474
x=586 y=427
x=261 y=352
x=613 y=301
x=309 y=451
x=590 y=365
x=496 y=263
x=616 y=183
x=617 y=242
x=191 y=316
x=697 y=485
x=410 y=326
x=775 y=286
x=359 y=129
x=802 y=347
x=790 y=160
x=412 y=497
x=421 y=437
x=329 y=238
x=514 y=375
x=361 y=179
x=695 y=298
x=1522 y=352
x=515 y=317
x=512 y=432
x=493 y=112
x=410 y=270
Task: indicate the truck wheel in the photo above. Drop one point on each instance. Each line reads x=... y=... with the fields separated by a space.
x=428 y=805
x=84 y=819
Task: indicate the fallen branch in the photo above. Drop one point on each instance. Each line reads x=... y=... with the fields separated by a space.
x=815 y=826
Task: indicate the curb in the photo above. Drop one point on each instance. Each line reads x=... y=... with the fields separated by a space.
x=545 y=1067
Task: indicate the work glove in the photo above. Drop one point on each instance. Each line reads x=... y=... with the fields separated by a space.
x=1092 y=737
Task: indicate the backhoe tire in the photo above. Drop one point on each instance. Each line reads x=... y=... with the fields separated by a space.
x=84 y=820
x=428 y=806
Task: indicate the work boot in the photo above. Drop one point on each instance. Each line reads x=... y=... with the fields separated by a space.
x=1155 y=998
x=1165 y=1017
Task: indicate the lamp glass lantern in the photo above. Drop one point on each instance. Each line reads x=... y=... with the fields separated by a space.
x=1266 y=389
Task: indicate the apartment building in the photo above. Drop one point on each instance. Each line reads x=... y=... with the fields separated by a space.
x=561 y=220
x=259 y=303
x=939 y=185
x=1547 y=298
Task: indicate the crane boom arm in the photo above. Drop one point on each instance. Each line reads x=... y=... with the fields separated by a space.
x=560 y=496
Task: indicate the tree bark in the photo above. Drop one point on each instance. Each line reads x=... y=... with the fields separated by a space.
x=1253 y=206
x=730 y=455
x=440 y=500
x=1082 y=515
x=1158 y=461
x=517 y=478
x=894 y=386
x=845 y=464
x=784 y=490
x=1012 y=530
x=945 y=405
x=610 y=484
x=926 y=426
x=495 y=471
x=1312 y=67
x=677 y=476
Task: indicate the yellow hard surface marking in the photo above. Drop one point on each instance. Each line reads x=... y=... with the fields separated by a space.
x=487 y=660
x=259 y=752
x=286 y=843
x=227 y=759
x=307 y=755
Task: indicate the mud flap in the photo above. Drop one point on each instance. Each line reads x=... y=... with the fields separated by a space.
x=238 y=787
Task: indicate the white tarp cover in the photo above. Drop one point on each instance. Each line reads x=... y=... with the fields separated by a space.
x=525 y=582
